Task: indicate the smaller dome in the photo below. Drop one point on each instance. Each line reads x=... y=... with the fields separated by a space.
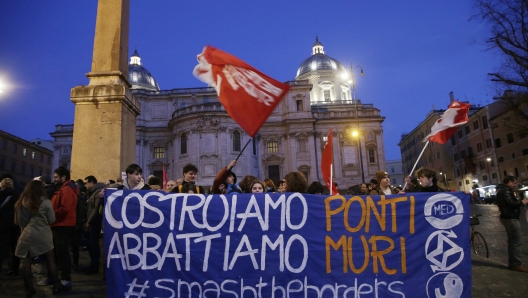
x=138 y=76
x=319 y=61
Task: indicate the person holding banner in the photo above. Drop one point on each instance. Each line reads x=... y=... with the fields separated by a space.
x=510 y=210
x=134 y=181
x=384 y=187
x=189 y=176
x=257 y=186
x=428 y=181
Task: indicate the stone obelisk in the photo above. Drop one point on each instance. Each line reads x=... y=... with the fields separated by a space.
x=104 y=131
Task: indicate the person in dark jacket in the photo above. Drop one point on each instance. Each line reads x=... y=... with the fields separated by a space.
x=93 y=225
x=510 y=210
x=9 y=231
x=226 y=181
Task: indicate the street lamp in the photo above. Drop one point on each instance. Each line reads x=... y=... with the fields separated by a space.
x=352 y=82
x=355 y=134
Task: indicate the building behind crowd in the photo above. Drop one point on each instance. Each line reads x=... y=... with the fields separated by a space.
x=189 y=125
x=24 y=159
x=395 y=170
x=480 y=153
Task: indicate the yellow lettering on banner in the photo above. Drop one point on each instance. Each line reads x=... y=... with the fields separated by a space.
x=363 y=210
x=330 y=213
x=351 y=259
x=392 y=202
x=403 y=255
x=372 y=207
x=341 y=243
x=411 y=216
x=378 y=255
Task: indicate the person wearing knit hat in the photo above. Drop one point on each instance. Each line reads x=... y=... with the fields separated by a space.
x=226 y=181
x=384 y=187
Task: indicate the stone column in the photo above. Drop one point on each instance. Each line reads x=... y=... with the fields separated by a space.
x=104 y=132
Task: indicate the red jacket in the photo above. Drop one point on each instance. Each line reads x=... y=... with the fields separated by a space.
x=64 y=202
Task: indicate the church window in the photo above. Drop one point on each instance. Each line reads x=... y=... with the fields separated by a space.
x=236 y=140
x=326 y=94
x=33 y=155
x=372 y=156
x=299 y=105
x=24 y=151
x=183 y=144
x=273 y=146
x=159 y=152
x=302 y=145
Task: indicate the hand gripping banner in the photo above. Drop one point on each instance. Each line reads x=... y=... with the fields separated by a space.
x=286 y=245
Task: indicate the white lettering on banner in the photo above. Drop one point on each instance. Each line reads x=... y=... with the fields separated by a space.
x=207 y=250
x=187 y=238
x=174 y=254
x=133 y=250
x=240 y=288
x=206 y=208
x=195 y=210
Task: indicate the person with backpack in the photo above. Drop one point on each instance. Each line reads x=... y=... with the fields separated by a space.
x=189 y=176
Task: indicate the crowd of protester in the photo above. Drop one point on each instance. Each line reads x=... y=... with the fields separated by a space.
x=49 y=219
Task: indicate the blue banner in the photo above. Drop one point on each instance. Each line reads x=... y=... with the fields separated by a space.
x=286 y=245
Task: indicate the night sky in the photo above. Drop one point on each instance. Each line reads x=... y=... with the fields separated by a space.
x=413 y=52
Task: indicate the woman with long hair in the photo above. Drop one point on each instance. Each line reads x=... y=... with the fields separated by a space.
x=270 y=186
x=34 y=214
x=257 y=186
x=295 y=182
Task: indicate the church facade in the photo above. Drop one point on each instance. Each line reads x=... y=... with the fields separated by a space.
x=189 y=125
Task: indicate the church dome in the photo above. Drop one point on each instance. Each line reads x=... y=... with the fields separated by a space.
x=319 y=61
x=138 y=76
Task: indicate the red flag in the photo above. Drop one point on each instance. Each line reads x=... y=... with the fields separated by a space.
x=165 y=177
x=326 y=163
x=455 y=116
x=248 y=95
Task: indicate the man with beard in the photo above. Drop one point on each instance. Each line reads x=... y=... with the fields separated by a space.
x=64 y=202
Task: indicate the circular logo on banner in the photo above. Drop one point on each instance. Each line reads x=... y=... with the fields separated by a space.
x=443 y=211
x=445 y=285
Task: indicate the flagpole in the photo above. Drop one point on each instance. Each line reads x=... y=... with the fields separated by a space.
x=243 y=149
x=417 y=160
x=331 y=185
